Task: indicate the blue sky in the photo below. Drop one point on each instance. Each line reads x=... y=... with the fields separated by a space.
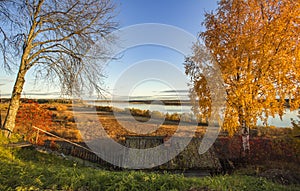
x=184 y=14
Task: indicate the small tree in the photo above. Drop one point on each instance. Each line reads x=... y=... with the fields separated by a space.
x=51 y=37
x=256 y=46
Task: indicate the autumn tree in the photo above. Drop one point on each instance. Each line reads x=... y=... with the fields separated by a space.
x=255 y=44
x=51 y=38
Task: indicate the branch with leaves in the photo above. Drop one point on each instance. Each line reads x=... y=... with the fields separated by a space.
x=256 y=46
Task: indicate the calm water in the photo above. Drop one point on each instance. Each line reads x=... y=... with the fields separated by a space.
x=285 y=122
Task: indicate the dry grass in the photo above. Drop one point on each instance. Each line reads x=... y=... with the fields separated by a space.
x=118 y=128
x=64 y=124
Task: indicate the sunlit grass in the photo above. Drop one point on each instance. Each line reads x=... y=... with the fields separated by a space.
x=27 y=169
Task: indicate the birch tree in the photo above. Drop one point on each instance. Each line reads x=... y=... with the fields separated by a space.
x=51 y=37
x=255 y=43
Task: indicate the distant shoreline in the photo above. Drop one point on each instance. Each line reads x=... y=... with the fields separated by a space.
x=133 y=101
x=157 y=102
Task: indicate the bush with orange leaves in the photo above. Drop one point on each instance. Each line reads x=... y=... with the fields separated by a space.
x=32 y=114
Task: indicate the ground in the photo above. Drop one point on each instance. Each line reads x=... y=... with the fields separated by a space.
x=275 y=153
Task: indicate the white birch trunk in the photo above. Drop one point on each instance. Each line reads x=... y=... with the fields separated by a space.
x=9 y=123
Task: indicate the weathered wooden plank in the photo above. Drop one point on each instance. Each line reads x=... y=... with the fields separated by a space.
x=19 y=145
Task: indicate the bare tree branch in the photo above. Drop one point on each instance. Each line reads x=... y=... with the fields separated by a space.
x=53 y=37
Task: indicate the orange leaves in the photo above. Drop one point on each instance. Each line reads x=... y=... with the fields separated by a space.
x=32 y=114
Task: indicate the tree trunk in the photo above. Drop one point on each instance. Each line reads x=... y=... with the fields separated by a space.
x=245 y=140
x=245 y=134
x=10 y=120
x=9 y=123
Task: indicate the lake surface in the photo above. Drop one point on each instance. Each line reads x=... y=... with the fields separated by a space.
x=285 y=122
x=151 y=107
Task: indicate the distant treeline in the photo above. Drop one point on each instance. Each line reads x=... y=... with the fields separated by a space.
x=70 y=101
x=40 y=101
x=147 y=114
x=170 y=102
x=165 y=102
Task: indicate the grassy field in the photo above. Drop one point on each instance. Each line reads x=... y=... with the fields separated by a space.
x=28 y=169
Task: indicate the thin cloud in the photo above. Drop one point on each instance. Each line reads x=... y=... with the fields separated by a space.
x=41 y=93
x=175 y=91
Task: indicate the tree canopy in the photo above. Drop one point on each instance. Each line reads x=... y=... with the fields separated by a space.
x=255 y=43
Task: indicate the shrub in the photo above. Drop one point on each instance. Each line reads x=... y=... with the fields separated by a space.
x=104 y=108
x=157 y=115
x=32 y=114
x=174 y=117
x=186 y=117
x=138 y=112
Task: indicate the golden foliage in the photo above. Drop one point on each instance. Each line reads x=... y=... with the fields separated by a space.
x=255 y=43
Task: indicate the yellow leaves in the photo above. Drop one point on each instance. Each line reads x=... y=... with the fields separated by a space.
x=256 y=45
